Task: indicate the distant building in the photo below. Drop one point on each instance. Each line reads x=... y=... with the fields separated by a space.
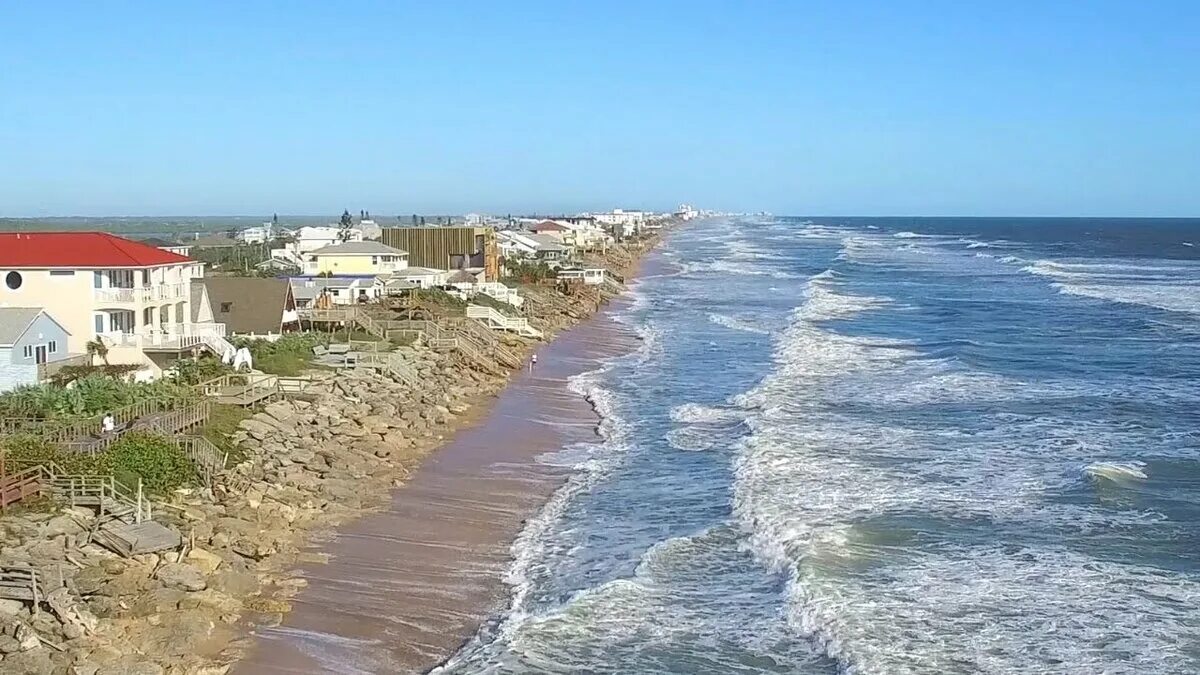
x=448 y=248
x=256 y=235
x=355 y=258
x=169 y=246
x=474 y=219
x=213 y=241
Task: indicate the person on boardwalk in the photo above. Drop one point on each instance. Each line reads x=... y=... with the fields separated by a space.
x=108 y=424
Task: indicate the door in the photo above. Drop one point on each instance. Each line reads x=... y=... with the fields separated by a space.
x=39 y=354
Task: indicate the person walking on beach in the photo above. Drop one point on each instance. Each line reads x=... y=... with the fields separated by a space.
x=532 y=362
x=108 y=424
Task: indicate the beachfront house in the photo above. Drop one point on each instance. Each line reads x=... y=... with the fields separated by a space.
x=252 y=306
x=357 y=258
x=549 y=250
x=33 y=346
x=422 y=277
x=592 y=276
x=340 y=290
x=134 y=298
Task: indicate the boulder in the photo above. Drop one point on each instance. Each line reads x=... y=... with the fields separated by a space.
x=10 y=608
x=62 y=524
x=131 y=668
x=205 y=561
x=258 y=430
x=32 y=662
x=281 y=412
x=182 y=576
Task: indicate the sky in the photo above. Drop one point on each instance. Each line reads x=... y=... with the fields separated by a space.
x=802 y=108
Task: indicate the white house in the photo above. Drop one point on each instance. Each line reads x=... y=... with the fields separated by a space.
x=422 y=277
x=516 y=244
x=310 y=238
x=622 y=217
x=341 y=290
x=260 y=234
x=591 y=276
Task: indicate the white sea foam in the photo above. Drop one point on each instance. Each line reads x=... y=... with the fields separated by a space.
x=823 y=493
x=1116 y=472
x=735 y=323
x=695 y=413
x=1172 y=286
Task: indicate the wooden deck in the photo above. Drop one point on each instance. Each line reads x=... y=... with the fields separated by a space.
x=134 y=539
x=242 y=390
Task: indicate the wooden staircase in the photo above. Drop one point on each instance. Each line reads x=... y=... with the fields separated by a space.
x=498 y=321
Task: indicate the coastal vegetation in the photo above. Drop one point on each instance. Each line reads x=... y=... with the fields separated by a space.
x=86 y=397
x=528 y=271
x=288 y=356
x=151 y=458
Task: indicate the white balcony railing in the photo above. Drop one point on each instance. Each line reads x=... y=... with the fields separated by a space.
x=171 y=336
x=142 y=294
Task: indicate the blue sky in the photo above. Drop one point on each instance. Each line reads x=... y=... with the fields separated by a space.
x=869 y=108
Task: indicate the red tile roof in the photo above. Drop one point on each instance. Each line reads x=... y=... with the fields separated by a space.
x=548 y=225
x=79 y=249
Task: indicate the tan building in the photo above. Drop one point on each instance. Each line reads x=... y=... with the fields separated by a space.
x=448 y=248
x=135 y=298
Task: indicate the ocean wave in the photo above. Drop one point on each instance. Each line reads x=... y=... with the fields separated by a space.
x=833 y=497
x=692 y=439
x=1116 y=472
x=695 y=413
x=735 y=323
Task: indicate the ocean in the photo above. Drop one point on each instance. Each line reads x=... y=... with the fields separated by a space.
x=881 y=446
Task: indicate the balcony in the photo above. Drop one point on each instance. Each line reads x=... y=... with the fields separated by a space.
x=171 y=337
x=142 y=294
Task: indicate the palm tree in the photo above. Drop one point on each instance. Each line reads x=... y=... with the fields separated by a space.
x=97 y=348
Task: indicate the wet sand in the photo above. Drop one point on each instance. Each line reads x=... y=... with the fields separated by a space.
x=406 y=587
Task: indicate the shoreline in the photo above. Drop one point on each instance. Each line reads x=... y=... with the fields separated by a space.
x=430 y=589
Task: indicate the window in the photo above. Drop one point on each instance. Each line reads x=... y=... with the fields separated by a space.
x=226 y=307
x=97 y=280
x=374 y=260
x=13 y=280
x=62 y=273
x=334 y=293
x=52 y=347
x=28 y=351
x=99 y=321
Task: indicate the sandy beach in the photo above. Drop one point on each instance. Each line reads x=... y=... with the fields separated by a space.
x=404 y=588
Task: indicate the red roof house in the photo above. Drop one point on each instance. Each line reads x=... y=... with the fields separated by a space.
x=79 y=250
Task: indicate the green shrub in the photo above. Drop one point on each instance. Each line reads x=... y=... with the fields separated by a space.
x=289 y=355
x=194 y=371
x=157 y=461
x=86 y=397
x=222 y=423
x=26 y=450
